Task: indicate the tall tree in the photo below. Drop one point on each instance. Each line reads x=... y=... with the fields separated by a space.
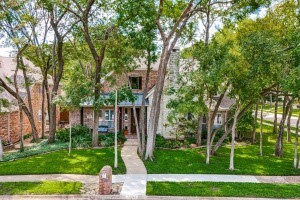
x=14 y=22
x=171 y=25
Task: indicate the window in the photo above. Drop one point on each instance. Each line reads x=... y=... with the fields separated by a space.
x=126 y=114
x=219 y=118
x=204 y=119
x=136 y=82
x=40 y=89
x=109 y=115
x=40 y=115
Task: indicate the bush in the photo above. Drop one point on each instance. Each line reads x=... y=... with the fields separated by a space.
x=109 y=139
x=27 y=136
x=62 y=135
x=81 y=136
x=109 y=142
x=167 y=143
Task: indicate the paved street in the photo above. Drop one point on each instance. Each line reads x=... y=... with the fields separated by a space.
x=270 y=117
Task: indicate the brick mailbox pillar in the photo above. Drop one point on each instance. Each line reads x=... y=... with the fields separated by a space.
x=105 y=180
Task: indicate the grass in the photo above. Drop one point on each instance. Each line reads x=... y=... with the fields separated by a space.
x=221 y=189
x=247 y=160
x=269 y=123
x=81 y=161
x=40 y=188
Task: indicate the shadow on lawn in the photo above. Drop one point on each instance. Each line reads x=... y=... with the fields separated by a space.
x=81 y=161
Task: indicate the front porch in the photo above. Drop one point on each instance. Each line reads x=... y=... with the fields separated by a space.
x=125 y=117
x=125 y=120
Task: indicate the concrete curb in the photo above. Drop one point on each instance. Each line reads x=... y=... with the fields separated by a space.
x=118 y=197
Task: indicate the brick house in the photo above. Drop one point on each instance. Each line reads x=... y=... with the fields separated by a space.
x=9 y=117
x=126 y=122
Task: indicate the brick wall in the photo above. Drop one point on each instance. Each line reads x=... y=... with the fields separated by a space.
x=36 y=97
x=121 y=79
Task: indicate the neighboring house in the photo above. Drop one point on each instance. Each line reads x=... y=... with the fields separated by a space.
x=9 y=117
x=126 y=122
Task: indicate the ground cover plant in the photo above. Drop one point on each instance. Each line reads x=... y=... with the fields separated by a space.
x=40 y=188
x=81 y=161
x=247 y=159
x=223 y=189
x=43 y=147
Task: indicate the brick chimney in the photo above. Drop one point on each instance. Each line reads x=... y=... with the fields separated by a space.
x=173 y=68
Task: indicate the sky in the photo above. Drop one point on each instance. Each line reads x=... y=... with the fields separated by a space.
x=5 y=51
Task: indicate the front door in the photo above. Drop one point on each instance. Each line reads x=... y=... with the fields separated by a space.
x=133 y=124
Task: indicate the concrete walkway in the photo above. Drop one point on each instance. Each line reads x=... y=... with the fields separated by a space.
x=88 y=179
x=136 y=173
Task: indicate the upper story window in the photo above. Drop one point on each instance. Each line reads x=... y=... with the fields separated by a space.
x=219 y=118
x=136 y=82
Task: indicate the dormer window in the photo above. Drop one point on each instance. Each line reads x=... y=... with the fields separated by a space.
x=136 y=82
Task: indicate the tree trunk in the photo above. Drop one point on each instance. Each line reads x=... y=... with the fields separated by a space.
x=199 y=130
x=116 y=130
x=21 y=130
x=136 y=122
x=155 y=110
x=1 y=150
x=213 y=116
x=254 y=124
x=52 y=122
x=8 y=127
x=228 y=130
x=275 y=112
x=231 y=164
x=208 y=137
x=143 y=117
x=296 y=157
x=169 y=42
x=29 y=101
x=288 y=135
x=43 y=109
x=70 y=134
x=261 y=127
x=95 y=128
x=279 y=141
x=138 y=134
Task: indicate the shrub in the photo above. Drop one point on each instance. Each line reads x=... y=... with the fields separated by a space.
x=167 y=143
x=109 y=142
x=109 y=139
x=81 y=136
x=62 y=135
x=27 y=136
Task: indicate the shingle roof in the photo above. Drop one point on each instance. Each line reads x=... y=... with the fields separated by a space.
x=7 y=71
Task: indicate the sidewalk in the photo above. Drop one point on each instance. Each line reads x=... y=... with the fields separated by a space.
x=89 y=179
x=136 y=173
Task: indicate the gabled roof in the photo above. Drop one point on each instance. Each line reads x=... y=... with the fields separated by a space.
x=7 y=71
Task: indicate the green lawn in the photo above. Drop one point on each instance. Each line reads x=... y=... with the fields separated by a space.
x=269 y=123
x=219 y=189
x=42 y=188
x=83 y=161
x=247 y=160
